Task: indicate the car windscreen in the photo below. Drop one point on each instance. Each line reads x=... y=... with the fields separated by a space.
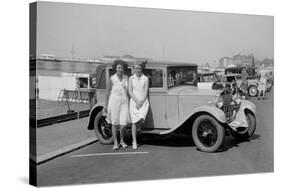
x=230 y=78
x=178 y=76
x=209 y=78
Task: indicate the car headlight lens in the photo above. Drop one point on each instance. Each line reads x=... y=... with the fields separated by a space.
x=237 y=98
x=219 y=101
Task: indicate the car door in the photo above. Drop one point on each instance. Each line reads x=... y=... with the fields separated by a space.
x=156 y=117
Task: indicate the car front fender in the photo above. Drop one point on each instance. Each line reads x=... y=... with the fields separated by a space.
x=211 y=109
x=94 y=111
x=248 y=105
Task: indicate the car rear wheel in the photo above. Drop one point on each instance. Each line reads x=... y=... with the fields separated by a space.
x=249 y=132
x=253 y=90
x=103 y=129
x=207 y=133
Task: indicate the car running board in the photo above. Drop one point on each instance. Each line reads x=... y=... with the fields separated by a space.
x=153 y=131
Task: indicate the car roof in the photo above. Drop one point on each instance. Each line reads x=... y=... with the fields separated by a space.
x=206 y=73
x=232 y=75
x=154 y=63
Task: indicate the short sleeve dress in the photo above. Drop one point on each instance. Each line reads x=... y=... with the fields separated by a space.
x=262 y=82
x=138 y=85
x=118 y=102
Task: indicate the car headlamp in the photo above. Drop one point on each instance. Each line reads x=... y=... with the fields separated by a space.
x=237 y=98
x=219 y=101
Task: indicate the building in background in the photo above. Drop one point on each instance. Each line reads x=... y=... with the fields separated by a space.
x=127 y=58
x=56 y=74
x=237 y=60
x=245 y=61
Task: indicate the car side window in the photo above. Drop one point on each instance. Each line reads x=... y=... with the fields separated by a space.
x=101 y=82
x=155 y=77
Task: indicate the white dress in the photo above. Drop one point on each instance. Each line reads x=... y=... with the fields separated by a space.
x=118 y=102
x=138 y=85
x=262 y=82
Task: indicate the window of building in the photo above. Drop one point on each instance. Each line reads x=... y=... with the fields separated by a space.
x=82 y=82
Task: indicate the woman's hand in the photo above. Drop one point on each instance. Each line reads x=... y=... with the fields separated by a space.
x=139 y=104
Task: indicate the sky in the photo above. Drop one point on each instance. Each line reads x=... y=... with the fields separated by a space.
x=197 y=37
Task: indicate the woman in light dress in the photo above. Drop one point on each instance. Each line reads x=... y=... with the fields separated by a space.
x=262 y=85
x=117 y=103
x=138 y=90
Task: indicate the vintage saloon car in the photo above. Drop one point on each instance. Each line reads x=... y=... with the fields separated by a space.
x=178 y=106
x=252 y=89
x=206 y=80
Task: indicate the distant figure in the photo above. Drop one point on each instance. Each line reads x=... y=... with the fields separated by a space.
x=262 y=85
x=244 y=84
x=177 y=79
x=170 y=80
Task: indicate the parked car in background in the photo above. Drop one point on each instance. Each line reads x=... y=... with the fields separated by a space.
x=178 y=106
x=228 y=79
x=206 y=80
x=251 y=71
x=252 y=78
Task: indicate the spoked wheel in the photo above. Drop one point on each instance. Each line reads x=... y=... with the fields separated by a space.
x=207 y=133
x=103 y=129
x=253 y=91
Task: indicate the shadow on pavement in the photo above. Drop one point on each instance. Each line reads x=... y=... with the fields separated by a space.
x=185 y=141
x=230 y=142
x=167 y=140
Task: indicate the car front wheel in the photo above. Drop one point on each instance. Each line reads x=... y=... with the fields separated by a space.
x=253 y=90
x=103 y=129
x=207 y=133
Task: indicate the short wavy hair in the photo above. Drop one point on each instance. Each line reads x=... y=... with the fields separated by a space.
x=141 y=64
x=119 y=62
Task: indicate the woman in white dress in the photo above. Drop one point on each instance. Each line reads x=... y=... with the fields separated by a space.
x=262 y=85
x=117 y=103
x=138 y=89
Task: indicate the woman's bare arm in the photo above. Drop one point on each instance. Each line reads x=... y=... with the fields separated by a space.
x=145 y=91
x=131 y=92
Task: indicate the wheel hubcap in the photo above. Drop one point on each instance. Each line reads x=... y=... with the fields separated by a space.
x=253 y=91
x=207 y=133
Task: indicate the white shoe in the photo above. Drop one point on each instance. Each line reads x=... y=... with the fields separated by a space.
x=123 y=145
x=135 y=146
x=115 y=147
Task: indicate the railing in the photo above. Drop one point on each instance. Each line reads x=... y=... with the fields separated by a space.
x=62 y=118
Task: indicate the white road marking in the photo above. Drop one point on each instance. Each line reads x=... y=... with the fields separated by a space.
x=115 y=153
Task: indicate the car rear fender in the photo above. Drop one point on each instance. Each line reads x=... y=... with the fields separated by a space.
x=94 y=111
x=252 y=82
